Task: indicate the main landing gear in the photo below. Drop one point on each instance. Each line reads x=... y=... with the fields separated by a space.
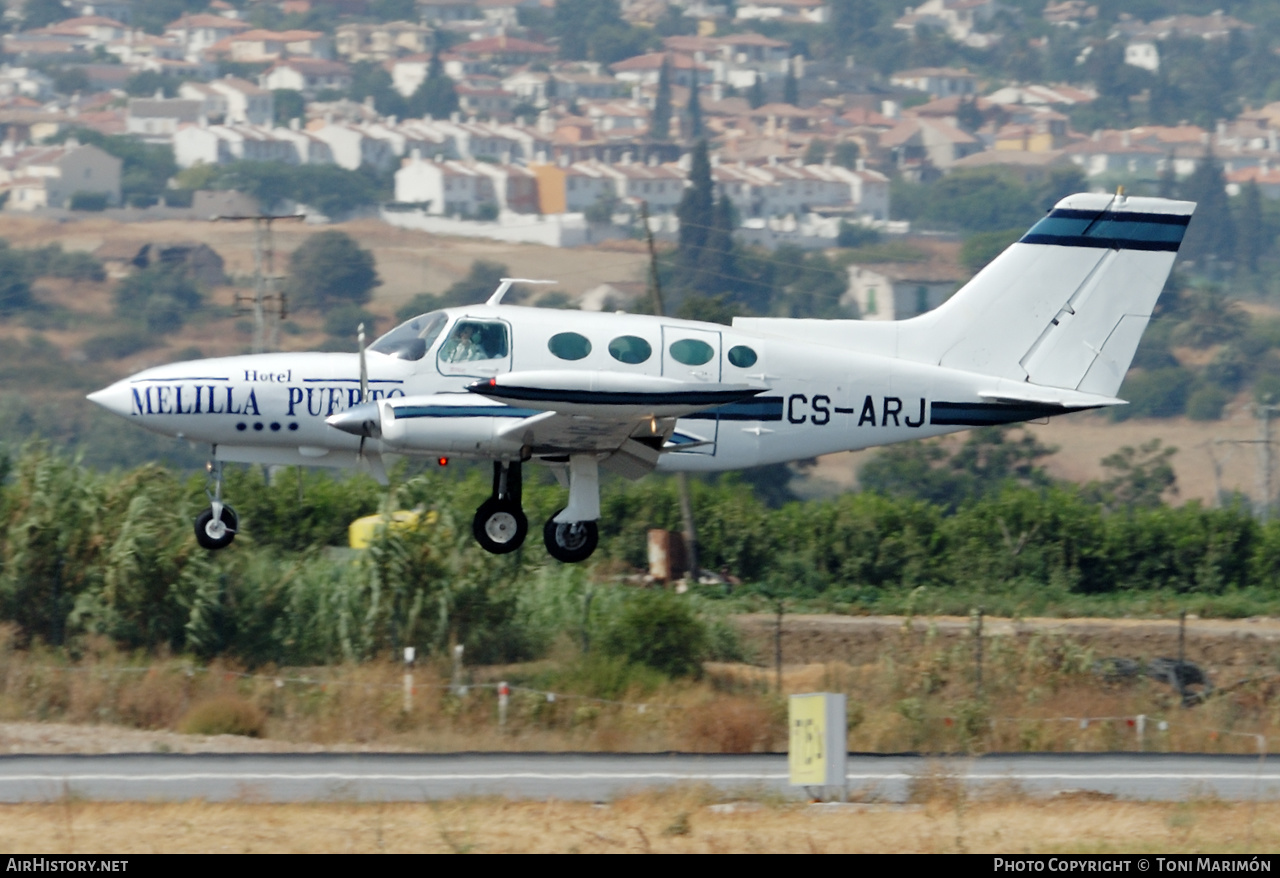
x=571 y=535
x=500 y=524
x=216 y=527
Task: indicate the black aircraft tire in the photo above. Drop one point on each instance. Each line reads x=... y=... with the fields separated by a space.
x=500 y=526
x=572 y=542
x=207 y=541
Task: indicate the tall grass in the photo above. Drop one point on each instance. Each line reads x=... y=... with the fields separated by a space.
x=918 y=694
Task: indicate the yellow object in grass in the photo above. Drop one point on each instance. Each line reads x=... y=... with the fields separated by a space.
x=363 y=530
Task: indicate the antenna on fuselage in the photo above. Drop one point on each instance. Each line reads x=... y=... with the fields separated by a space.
x=496 y=298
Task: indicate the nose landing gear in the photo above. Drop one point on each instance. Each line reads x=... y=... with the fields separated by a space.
x=216 y=527
x=500 y=524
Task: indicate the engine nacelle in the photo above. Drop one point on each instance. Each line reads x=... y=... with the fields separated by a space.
x=448 y=423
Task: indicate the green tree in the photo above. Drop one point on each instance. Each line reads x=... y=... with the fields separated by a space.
x=968 y=116
x=371 y=80
x=660 y=119
x=70 y=80
x=436 y=96
x=660 y=630
x=791 y=87
x=755 y=95
x=393 y=10
x=694 y=108
x=696 y=212
x=482 y=279
x=594 y=30
x=717 y=264
x=147 y=83
x=15 y=280
x=288 y=104
x=42 y=13
x=1211 y=235
x=1139 y=477
x=816 y=152
x=845 y=154
x=330 y=269
x=161 y=297
x=1250 y=241
x=991 y=459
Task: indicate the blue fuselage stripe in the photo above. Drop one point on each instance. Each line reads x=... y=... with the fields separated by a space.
x=462 y=411
x=762 y=408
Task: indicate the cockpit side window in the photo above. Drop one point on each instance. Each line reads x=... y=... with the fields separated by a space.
x=412 y=339
x=475 y=340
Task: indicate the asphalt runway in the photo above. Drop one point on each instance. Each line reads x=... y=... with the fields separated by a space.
x=600 y=776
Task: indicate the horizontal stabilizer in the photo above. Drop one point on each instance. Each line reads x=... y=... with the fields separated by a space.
x=1033 y=393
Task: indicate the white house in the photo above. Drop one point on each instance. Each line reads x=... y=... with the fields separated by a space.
x=49 y=176
x=308 y=149
x=307 y=75
x=896 y=291
x=661 y=186
x=801 y=11
x=446 y=187
x=1141 y=53
x=219 y=144
x=199 y=32
x=940 y=82
x=232 y=100
x=353 y=147
x=156 y=120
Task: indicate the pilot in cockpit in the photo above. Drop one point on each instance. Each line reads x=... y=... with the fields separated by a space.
x=463 y=346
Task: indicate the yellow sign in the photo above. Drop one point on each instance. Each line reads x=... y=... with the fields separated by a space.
x=807 y=754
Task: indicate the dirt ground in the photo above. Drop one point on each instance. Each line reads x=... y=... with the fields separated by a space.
x=673 y=821
x=1228 y=649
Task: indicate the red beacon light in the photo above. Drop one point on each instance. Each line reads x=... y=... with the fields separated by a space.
x=443 y=461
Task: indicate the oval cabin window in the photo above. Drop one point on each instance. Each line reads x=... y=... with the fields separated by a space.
x=630 y=349
x=569 y=346
x=691 y=352
x=742 y=356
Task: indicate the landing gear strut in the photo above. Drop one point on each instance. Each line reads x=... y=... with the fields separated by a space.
x=500 y=524
x=216 y=527
x=571 y=534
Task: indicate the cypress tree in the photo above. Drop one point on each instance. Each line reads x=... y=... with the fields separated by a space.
x=755 y=97
x=695 y=108
x=436 y=97
x=696 y=210
x=1211 y=235
x=717 y=265
x=660 y=120
x=1249 y=241
x=1168 y=183
x=791 y=87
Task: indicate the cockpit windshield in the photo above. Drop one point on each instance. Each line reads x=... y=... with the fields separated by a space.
x=411 y=340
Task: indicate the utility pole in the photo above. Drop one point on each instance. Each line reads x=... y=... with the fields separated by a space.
x=268 y=305
x=1264 y=461
x=1263 y=478
x=682 y=478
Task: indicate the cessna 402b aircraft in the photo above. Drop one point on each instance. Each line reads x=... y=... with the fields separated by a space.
x=1049 y=327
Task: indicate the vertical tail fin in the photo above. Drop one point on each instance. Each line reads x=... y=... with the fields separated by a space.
x=1066 y=305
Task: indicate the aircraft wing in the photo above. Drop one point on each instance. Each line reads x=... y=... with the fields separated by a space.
x=631 y=416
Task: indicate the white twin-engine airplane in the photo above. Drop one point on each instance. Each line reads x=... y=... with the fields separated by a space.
x=1048 y=328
